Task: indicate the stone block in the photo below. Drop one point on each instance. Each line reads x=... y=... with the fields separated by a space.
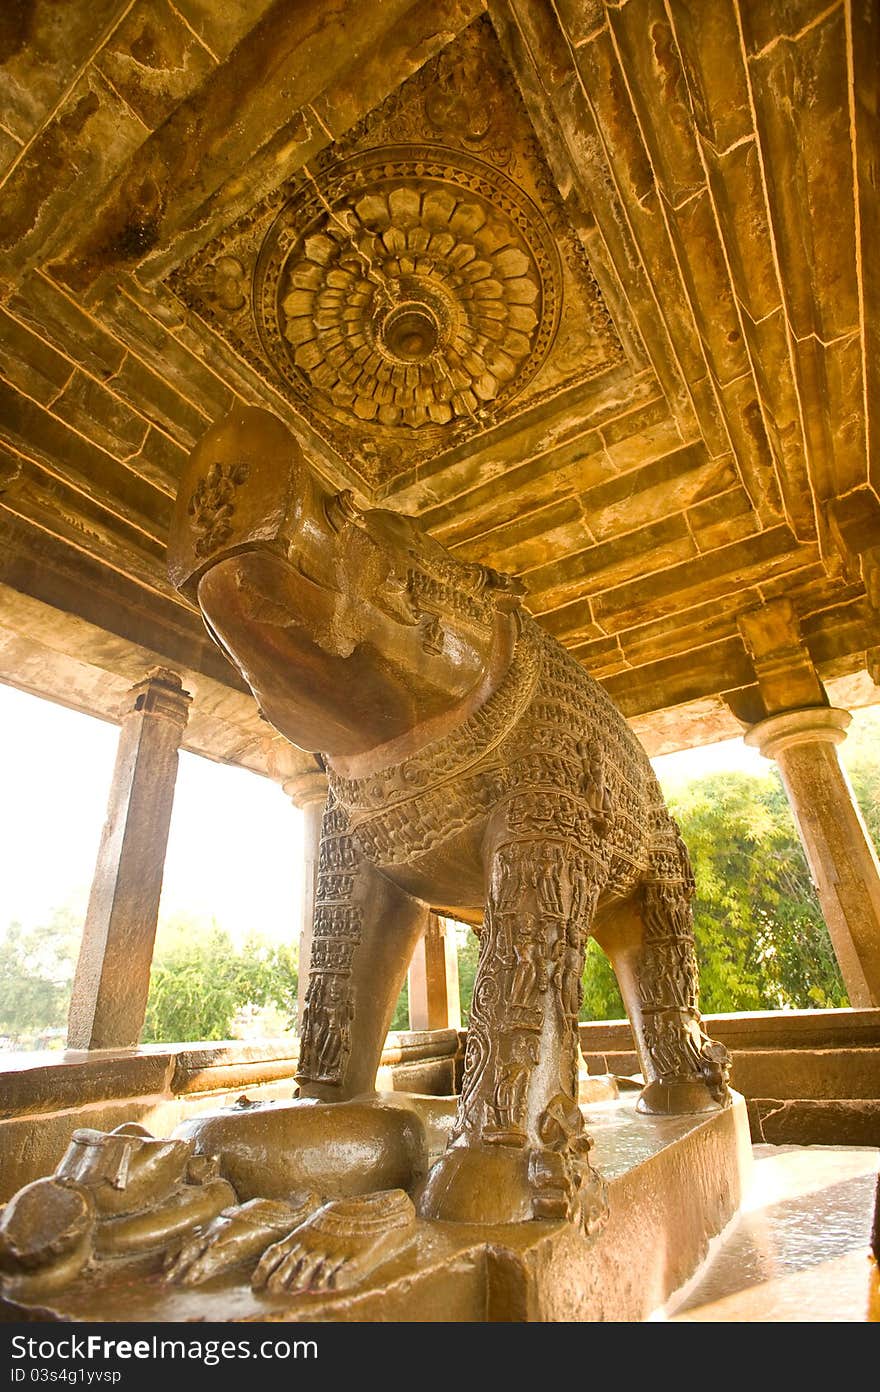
x=711 y=54
x=28 y=428
x=76 y=152
x=155 y=399
x=659 y=91
x=581 y=18
x=737 y=192
x=162 y=352
x=99 y=415
x=50 y=313
x=45 y=46
x=221 y=27
x=719 y=573
x=679 y=678
x=802 y=112
x=161 y=461
x=832 y=1123
x=153 y=60
x=611 y=562
x=29 y=363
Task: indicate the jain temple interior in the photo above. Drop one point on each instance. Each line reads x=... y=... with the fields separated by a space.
x=442 y=408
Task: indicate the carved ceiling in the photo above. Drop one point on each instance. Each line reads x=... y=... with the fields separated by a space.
x=587 y=285
x=419 y=281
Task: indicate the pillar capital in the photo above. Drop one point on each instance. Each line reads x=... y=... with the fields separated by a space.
x=306 y=788
x=784 y=669
x=810 y=725
x=161 y=693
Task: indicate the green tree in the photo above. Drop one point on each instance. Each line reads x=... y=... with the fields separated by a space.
x=761 y=939
x=200 y=982
x=36 y=968
x=602 y=998
x=468 y=956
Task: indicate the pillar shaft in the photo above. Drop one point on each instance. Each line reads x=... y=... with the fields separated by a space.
x=112 y=978
x=308 y=791
x=433 y=979
x=842 y=860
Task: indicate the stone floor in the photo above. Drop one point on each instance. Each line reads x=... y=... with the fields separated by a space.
x=797 y=1251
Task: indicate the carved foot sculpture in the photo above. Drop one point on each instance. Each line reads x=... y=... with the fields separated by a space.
x=237 y=1235
x=114 y=1194
x=340 y=1244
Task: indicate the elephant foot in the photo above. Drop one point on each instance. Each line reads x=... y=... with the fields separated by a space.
x=680 y=1097
x=237 y=1235
x=493 y=1185
x=339 y=1245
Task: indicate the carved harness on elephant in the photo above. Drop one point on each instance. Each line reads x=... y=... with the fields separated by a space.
x=548 y=746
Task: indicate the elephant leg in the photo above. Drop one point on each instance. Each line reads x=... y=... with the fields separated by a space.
x=518 y=1148
x=650 y=940
x=619 y=931
x=365 y=931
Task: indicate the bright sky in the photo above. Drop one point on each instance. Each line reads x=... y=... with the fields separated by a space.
x=731 y=756
x=234 y=850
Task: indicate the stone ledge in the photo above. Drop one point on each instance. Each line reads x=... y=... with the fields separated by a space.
x=35 y=1083
x=764 y=1029
x=798 y=1121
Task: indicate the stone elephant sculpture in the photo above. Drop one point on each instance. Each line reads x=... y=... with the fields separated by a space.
x=473 y=765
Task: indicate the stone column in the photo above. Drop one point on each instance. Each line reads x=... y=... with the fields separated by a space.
x=433 y=979
x=112 y=977
x=308 y=792
x=842 y=860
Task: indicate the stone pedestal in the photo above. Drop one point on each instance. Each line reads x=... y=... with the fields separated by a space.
x=433 y=979
x=112 y=978
x=673 y=1184
x=842 y=861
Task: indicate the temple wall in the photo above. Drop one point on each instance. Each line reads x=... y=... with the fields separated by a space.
x=810 y=1077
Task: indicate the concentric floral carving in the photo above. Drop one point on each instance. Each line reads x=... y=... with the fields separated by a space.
x=409 y=293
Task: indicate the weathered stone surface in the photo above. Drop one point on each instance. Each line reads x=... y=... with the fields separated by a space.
x=28 y=362
x=44 y=47
x=799 y=1122
x=83 y=143
x=714 y=165
x=153 y=60
x=28 y=428
x=98 y=414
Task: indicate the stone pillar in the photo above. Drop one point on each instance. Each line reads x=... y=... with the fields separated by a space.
x=842 y=860
x=433 y=979
x=308 y=792
x=112 y=979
